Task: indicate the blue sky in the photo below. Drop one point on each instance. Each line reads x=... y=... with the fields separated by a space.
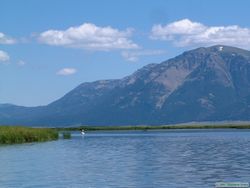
x=49 y=47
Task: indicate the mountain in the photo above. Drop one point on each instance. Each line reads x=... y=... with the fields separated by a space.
x=204 y=84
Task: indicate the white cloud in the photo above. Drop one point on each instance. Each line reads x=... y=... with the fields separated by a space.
x=4 y=56
x=188 y=33
x=21 y=63
x=89 y=36
x=134 y=56
x=66 y=71
x=6 y=40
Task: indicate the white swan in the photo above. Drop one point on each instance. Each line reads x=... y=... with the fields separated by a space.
x=82 y=132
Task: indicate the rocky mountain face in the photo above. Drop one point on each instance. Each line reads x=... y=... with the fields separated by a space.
x=205 y=84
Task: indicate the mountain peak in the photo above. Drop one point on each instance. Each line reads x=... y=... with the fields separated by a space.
x=219 y=48
x=222 y=49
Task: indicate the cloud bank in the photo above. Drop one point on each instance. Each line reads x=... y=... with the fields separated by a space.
x=185 y=32
x=89 y=36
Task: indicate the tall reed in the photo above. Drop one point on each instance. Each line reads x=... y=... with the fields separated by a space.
x=14 y=134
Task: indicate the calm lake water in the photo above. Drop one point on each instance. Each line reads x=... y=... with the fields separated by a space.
x=188 y=159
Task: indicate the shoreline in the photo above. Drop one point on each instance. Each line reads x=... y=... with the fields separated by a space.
x=145 y=128
x=22 y=134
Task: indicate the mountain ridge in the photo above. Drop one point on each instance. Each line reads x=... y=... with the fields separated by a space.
x=204 y=84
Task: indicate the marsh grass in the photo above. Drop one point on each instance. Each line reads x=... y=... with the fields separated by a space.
x=14 y=135
x=66 y=135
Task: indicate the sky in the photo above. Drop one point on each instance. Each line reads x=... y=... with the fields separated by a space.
x=49 y=47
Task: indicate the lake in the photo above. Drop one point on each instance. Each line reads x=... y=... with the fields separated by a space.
x=143 y=159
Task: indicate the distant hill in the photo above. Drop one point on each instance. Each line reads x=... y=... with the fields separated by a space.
x=205 y=84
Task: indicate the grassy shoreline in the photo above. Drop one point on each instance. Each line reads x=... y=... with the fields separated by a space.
x=161 y=127
x=20 y=134
x=16 y=135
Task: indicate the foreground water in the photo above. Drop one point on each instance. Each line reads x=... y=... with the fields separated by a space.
x=196 y=158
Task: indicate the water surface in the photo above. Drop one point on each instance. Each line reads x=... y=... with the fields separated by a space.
x=144 y=159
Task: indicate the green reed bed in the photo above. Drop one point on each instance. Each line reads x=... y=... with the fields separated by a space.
x=14 y=135
x=66 y=135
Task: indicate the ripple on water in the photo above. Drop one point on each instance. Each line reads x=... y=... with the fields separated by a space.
x=129 y=159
